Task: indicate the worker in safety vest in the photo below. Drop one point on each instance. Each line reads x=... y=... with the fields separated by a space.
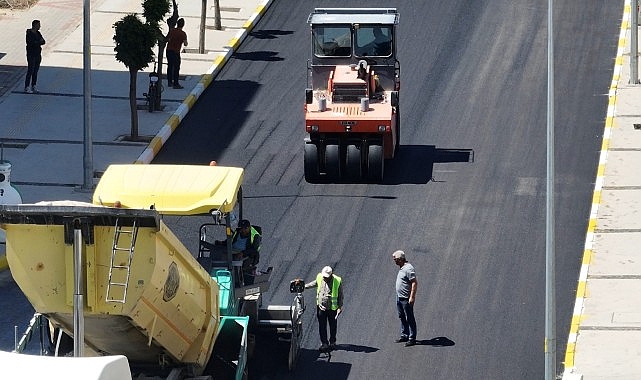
x=329 y=304
x=245 y=242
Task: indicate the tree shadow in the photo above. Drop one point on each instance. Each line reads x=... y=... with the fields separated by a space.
x=268 y=34
x=267 y=56
x=222 y=98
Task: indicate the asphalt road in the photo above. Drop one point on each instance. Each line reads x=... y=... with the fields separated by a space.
x=474 y=77
x=473 y=80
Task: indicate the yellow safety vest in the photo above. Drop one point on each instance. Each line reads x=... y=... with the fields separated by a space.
x=336 y=283
x=253 y=234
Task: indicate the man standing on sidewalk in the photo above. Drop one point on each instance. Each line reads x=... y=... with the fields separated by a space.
x=177 y=37
x=34 y=56
x=329 y=304
x=406 y=286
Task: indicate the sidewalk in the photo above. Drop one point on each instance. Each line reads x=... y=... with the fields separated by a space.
x=605 y=337
x=42 y=134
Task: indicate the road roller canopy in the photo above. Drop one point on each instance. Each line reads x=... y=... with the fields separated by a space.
x=170 y=189
x=342 y=33
x=353 y=16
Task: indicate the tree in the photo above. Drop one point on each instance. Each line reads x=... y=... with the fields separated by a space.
x=134 y=47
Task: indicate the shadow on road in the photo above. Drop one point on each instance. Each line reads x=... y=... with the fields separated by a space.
x=269 y=33
x=267 y=56
x=355 y=348
x=439 y=341
x=414 y=164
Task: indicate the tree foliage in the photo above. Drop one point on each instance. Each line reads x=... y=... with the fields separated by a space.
x=134 y=42
x=154 y=11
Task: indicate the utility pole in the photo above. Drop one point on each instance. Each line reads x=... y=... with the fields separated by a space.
x=87 y=183
x=550 y=257
x=634 y=43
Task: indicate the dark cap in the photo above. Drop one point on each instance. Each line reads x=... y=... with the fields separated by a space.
x=244 y=223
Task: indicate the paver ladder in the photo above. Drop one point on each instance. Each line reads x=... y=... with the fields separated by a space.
x=122 y=270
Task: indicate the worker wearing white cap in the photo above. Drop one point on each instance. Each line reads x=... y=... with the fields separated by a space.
x=406 y=286
x=329 y=304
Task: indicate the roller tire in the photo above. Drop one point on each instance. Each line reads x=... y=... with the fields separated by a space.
x=375 y=163
x=332 y=162
x=311 y=163
x=353 y=163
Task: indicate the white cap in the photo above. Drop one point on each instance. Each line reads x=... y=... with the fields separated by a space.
x=327 y=272
x=398 y=254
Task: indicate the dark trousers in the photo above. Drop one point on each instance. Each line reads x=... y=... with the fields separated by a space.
x=173 y=67
x=33 y=65
x=324 y=317
x=406 y=315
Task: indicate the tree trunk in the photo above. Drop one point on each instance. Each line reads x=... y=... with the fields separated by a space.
x=133 y=74
x=217 y=24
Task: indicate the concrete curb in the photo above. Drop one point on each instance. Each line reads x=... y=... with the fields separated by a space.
x=174 y=120
x=577 y=314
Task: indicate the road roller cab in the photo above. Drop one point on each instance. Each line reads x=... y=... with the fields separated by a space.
x=352 y=114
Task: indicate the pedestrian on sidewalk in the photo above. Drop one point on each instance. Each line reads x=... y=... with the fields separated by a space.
x=34 y=41
x=176 y=39
x=406 y=286
x=329 y=305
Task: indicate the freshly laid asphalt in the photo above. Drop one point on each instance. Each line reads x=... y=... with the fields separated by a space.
x=42 y=138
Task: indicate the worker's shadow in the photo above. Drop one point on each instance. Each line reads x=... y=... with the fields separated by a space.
x=327 y=355
x=414 y=164
x=439 y=341
x=355 y=348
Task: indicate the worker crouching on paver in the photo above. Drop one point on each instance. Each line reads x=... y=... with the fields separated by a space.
x=245 y=244
x=329 y=304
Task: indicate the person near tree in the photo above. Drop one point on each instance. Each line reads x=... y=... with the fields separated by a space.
x=175 y=41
